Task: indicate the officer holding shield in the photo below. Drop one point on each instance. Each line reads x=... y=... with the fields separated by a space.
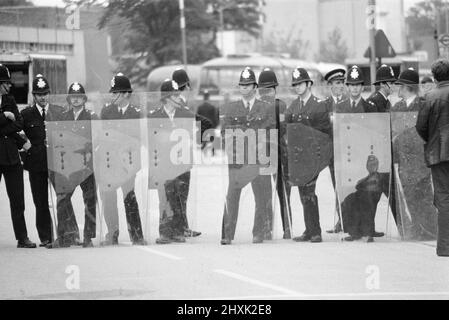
x=121 y=108
x=310 y=111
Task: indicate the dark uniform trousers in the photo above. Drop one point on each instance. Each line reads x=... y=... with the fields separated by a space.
x=109 y=198
x=440 y=176
x=10 y=166
x=35 y=161
x=131 y=210
x=261 y=186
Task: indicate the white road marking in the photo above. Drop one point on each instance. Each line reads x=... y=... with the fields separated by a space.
x=160 y=253
x=259 y=283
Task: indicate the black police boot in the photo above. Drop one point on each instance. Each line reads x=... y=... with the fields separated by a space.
x=26 y=243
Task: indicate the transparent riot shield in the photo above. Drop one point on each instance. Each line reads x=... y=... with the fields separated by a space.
x=171 y=143
x=249 y=138
x=70 y=165
x=417 y=217
x=120 y=152
x=362 y=159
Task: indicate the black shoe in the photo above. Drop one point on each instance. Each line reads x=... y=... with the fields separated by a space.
x=443 y=253
x=370 y=239
x=302 y=238
x=316 y=239
x=190 y=233
x=336 y=229
x=26 y=243
x=257 y=240
x=163 y=240
x=349 y=238
x=87 y=243
x=140 y=242
x=225 y=241
x=378 y=234
x=45 y=243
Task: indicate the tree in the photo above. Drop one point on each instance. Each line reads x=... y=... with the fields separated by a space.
x=290 y=43
x=334 y=49
x=151 y=29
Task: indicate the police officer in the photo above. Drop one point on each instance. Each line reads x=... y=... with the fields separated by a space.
x=35 y=160
x=385 y=78
x=355 y=102
x=183 y=81
x=11 y=169
x=121 y=108
x=67 y=230
x=408 y=83
x=308 y=110
x=267 y=91
x=172 y=197
x=248 y=113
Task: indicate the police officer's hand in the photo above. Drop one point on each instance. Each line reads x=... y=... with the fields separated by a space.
x=27 y=145
x=9 y=115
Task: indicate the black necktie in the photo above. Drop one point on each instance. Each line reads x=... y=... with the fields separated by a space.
x=248 y=107
x=120 y=110
x=353 y=104
x=301 y=104
x=43 y=114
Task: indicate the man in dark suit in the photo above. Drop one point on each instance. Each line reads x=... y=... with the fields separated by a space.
x=247 y=115
x=408 y=83
x=310 y=111
x=267 y=91
x=121 y=108
x=35 y=160
x=67 y=229
x=11 y=123
x=433 y=127
x=378 y=101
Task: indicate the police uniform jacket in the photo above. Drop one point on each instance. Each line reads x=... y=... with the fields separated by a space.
x=111 y=112
x=345 y=106
x=34 y=127
x=401 y=106
x=378 y=103
x=10 y=141
x=433 y=125
x=313 y=114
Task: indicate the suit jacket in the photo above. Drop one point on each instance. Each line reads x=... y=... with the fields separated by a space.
x=433 y=124
x=85 y=115
x=330 y=103
x=313 y=114
x=10 y=140
x=111 y=112
x=34 y=127
x=345 y=106
x=378 y=103
x=401 y=106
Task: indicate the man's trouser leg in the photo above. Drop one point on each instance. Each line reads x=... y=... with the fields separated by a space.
x=109 y=201
x=67 y=229
x=89 y=190
x=231 y=212
x=440 y=176
x=14 y=188
x=262 y=194
x=309 y=202
x=39 y=190
x=132 y=211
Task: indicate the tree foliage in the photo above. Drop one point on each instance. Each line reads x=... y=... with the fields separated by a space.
x=290 y=43
x=15 y=3
x=334 y=49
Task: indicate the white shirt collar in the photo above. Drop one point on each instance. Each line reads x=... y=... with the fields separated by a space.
x=76 y=114
x=40 y=109
x=123 y=109
x=356 y=101
x=409 y=100
x=251 y=103
x=171 y=114
x=386 y=98
x=306 y=99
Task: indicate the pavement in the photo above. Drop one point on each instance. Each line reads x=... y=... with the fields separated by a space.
x=203 y=269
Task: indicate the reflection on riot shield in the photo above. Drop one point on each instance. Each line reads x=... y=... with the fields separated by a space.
x=250 y=141
x=69 y=156
x=171 y=145
x=362 y=155
x=118 y=148
x=418 y=216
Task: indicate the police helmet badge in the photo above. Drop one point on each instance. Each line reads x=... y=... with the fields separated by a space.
x=296 y=74
x=76 y=87
x=391 y=71
x=246 y=74
x=354 y=73
x=113 y=82
x=175 y=85
x=41 y=83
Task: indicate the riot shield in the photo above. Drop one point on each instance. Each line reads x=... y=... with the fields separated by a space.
x=250 y=139
x=70 y=165
x=414 y=196
x=362 y=153
x=120 y=152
